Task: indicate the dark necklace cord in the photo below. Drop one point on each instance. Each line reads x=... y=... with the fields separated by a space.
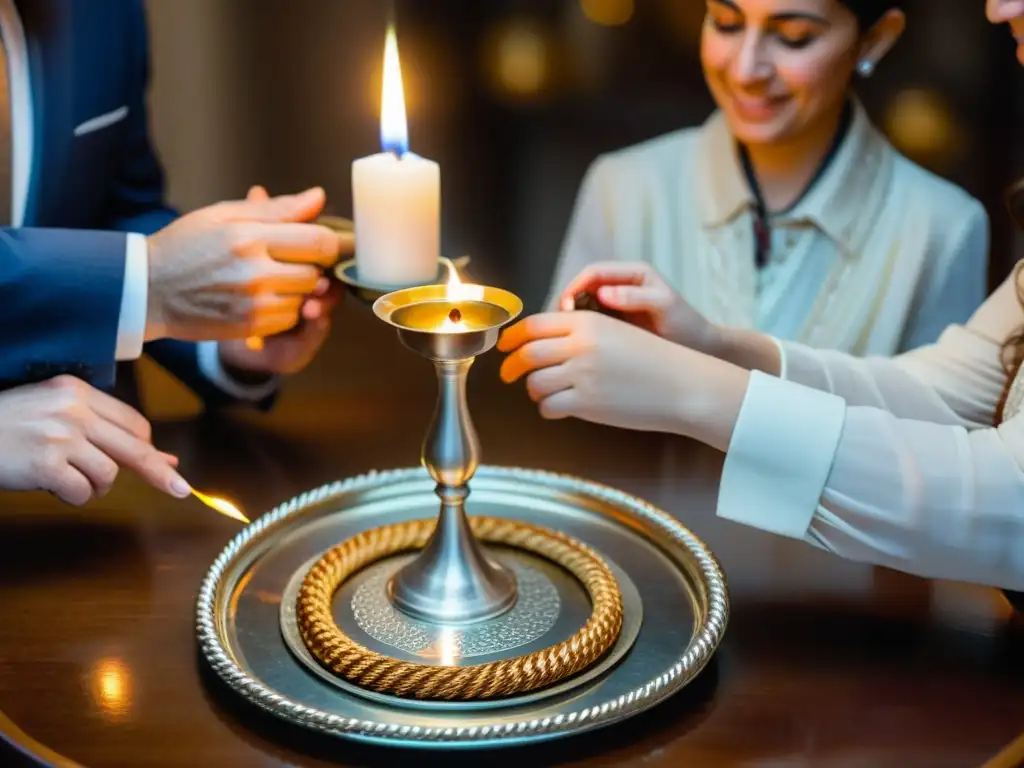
x=762 y=227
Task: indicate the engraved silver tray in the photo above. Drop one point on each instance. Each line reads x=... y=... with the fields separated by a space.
x=685 y=608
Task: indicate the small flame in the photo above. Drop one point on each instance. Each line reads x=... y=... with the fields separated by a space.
x=394 y=130
x=449 y=326
x=454 y=283
x=456 y=290
x=223 y=506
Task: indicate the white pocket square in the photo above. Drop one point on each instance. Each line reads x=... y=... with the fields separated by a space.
x=102 y=121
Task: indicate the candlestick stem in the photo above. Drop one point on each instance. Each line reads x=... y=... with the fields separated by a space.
x=452 y=581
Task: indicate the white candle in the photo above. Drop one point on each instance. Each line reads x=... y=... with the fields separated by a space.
x=396 y=197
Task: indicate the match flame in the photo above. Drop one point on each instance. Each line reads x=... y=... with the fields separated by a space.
x=223 y=506
x=394 y=130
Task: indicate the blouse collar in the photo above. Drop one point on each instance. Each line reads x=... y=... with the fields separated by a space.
x=840 y=202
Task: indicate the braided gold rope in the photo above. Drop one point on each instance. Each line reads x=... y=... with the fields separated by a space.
x=368 y=669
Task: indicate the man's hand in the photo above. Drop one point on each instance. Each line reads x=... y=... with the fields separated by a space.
x=68 y=438
x=238 y=269
x=288 y=352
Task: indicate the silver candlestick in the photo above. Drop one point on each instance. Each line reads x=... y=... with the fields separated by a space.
x=452 y=580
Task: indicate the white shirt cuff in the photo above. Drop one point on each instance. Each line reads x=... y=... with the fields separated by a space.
x=212 y=368
x=780 y=455
x=782 y=356
x=131 y=323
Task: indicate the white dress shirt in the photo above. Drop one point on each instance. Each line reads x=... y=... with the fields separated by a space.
x=877 y=257
x=131 y=329
x=892 y=461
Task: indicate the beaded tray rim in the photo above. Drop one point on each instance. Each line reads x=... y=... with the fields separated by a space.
x=711 y=618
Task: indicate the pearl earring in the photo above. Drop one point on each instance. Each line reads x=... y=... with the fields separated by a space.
x=866 y=68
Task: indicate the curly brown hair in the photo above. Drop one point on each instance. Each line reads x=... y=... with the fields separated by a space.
x=1012 y=353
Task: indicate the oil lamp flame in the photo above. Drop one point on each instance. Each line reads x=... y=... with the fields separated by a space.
x=222 y=506
x=394 y=130
x=456 y=290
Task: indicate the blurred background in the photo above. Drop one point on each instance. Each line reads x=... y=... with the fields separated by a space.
x=515 y=97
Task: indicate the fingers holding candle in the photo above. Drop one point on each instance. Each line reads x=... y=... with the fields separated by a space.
x=320 y=302
x=282 y=353
x=305 y=243
x=259 y=206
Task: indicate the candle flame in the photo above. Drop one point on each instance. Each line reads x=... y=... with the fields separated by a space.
x=223 y=506
x=394 y=130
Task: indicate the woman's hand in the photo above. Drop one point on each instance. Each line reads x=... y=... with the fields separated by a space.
x=642 y=296
x=596 y=368
x=599 y=369
x=291 y=351
x=644 y=299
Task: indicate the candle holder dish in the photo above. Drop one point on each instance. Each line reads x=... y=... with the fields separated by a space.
x=348 y=273
x=409 y=622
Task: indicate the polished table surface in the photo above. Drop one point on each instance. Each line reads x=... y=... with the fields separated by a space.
x=824 y=663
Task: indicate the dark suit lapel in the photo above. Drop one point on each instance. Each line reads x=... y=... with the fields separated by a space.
x=48 y=34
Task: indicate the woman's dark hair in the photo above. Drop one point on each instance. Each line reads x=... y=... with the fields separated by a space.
x=1013 y=348
x=868 y=12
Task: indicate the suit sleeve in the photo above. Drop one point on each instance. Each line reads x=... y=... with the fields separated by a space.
x=136 y=198
x=137 y=204
x=60 y=300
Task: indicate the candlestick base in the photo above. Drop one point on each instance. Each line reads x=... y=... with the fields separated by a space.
x=453 y=581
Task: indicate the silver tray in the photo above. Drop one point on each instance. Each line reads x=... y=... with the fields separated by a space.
x=685 y=608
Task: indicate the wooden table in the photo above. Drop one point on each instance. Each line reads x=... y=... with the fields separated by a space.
x=824 y=663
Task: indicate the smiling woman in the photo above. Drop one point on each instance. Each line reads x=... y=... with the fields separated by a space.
x=788 y=211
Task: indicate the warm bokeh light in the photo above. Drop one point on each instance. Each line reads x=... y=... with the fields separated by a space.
x=111 y=683
x=608 y=13
x=394 y=129
x=519 y=57
x=920 y=122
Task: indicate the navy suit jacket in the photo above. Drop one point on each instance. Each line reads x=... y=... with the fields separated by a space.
x=62 y=273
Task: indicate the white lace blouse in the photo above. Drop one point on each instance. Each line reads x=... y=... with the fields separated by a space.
x=877 y=257
x=895 y=461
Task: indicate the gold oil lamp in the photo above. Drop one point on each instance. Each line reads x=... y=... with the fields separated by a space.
x=452 y=580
